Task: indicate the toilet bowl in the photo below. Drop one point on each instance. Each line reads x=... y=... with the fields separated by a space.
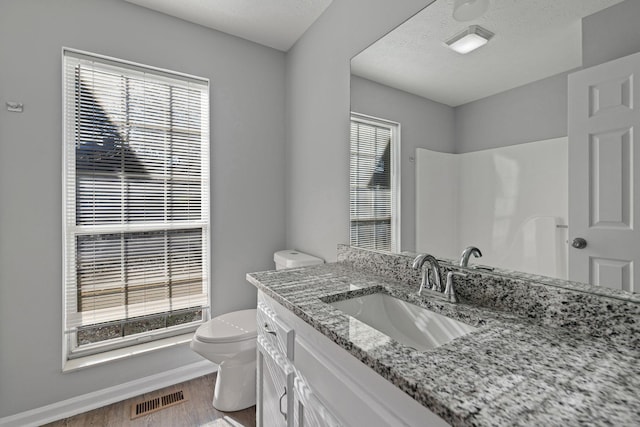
x=229 y=341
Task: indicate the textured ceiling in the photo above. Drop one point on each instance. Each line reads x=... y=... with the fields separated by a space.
x=274 y=23
x=533 y=39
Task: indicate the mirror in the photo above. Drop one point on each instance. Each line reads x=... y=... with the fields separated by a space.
x=484 y=135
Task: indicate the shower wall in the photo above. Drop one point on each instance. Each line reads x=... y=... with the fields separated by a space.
x=511 y=202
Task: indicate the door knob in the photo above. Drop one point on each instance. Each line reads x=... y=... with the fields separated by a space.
x=579 y=243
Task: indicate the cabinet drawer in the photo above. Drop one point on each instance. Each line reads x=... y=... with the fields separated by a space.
x=280 y=335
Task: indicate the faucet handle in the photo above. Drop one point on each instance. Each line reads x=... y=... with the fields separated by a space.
x=425 y=283
x=449 y=290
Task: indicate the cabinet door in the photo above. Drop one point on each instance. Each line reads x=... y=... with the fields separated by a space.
x=274 y=387
x=308 y=411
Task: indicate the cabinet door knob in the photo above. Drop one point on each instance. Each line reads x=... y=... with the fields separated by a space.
x=579 y=243
x=284 y=414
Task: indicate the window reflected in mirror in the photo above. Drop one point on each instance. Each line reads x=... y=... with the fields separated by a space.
x=374 y=220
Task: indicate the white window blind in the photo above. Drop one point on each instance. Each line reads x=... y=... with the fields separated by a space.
x=136 y=197
x=372 y=205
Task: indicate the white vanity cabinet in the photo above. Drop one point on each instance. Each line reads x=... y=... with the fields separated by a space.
x=325 y=385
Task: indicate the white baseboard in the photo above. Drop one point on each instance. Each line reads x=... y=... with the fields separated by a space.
x=107 y=396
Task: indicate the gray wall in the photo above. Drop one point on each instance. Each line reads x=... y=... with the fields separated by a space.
x=247 y=172
x=533 y=112
x=424 y=124
x=611 y=33
x=318 y=74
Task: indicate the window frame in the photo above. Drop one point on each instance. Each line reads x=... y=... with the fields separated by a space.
x=395 y=174
x=145 y=340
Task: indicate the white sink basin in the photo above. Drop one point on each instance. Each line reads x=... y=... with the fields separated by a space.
x=406 y=323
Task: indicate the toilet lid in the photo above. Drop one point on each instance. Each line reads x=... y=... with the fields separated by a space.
x=230 y=327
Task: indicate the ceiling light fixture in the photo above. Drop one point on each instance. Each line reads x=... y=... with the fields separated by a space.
x=470 y=39
x=466 y=10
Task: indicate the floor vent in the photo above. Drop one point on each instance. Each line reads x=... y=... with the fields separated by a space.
x=153 y=405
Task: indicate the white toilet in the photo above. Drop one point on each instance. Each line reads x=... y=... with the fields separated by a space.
x=229 y=341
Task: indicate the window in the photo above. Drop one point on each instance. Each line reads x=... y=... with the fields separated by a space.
x=136 y=203
x=374 y=180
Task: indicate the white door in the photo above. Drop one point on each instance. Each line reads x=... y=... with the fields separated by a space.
x=604 y=121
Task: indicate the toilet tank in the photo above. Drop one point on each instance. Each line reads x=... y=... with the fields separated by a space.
x=291 y=258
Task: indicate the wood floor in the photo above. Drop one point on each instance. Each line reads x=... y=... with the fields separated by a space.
x=196 y=411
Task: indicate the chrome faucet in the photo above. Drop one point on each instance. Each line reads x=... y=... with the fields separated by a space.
x=464 y=258
x=449 y=291
x=418 y=263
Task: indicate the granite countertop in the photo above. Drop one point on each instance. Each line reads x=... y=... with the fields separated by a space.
x=510 y=371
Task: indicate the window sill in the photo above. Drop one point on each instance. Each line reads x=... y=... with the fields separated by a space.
x=124 y=353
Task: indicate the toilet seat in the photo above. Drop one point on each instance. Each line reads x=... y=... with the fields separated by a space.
x=229 y=328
